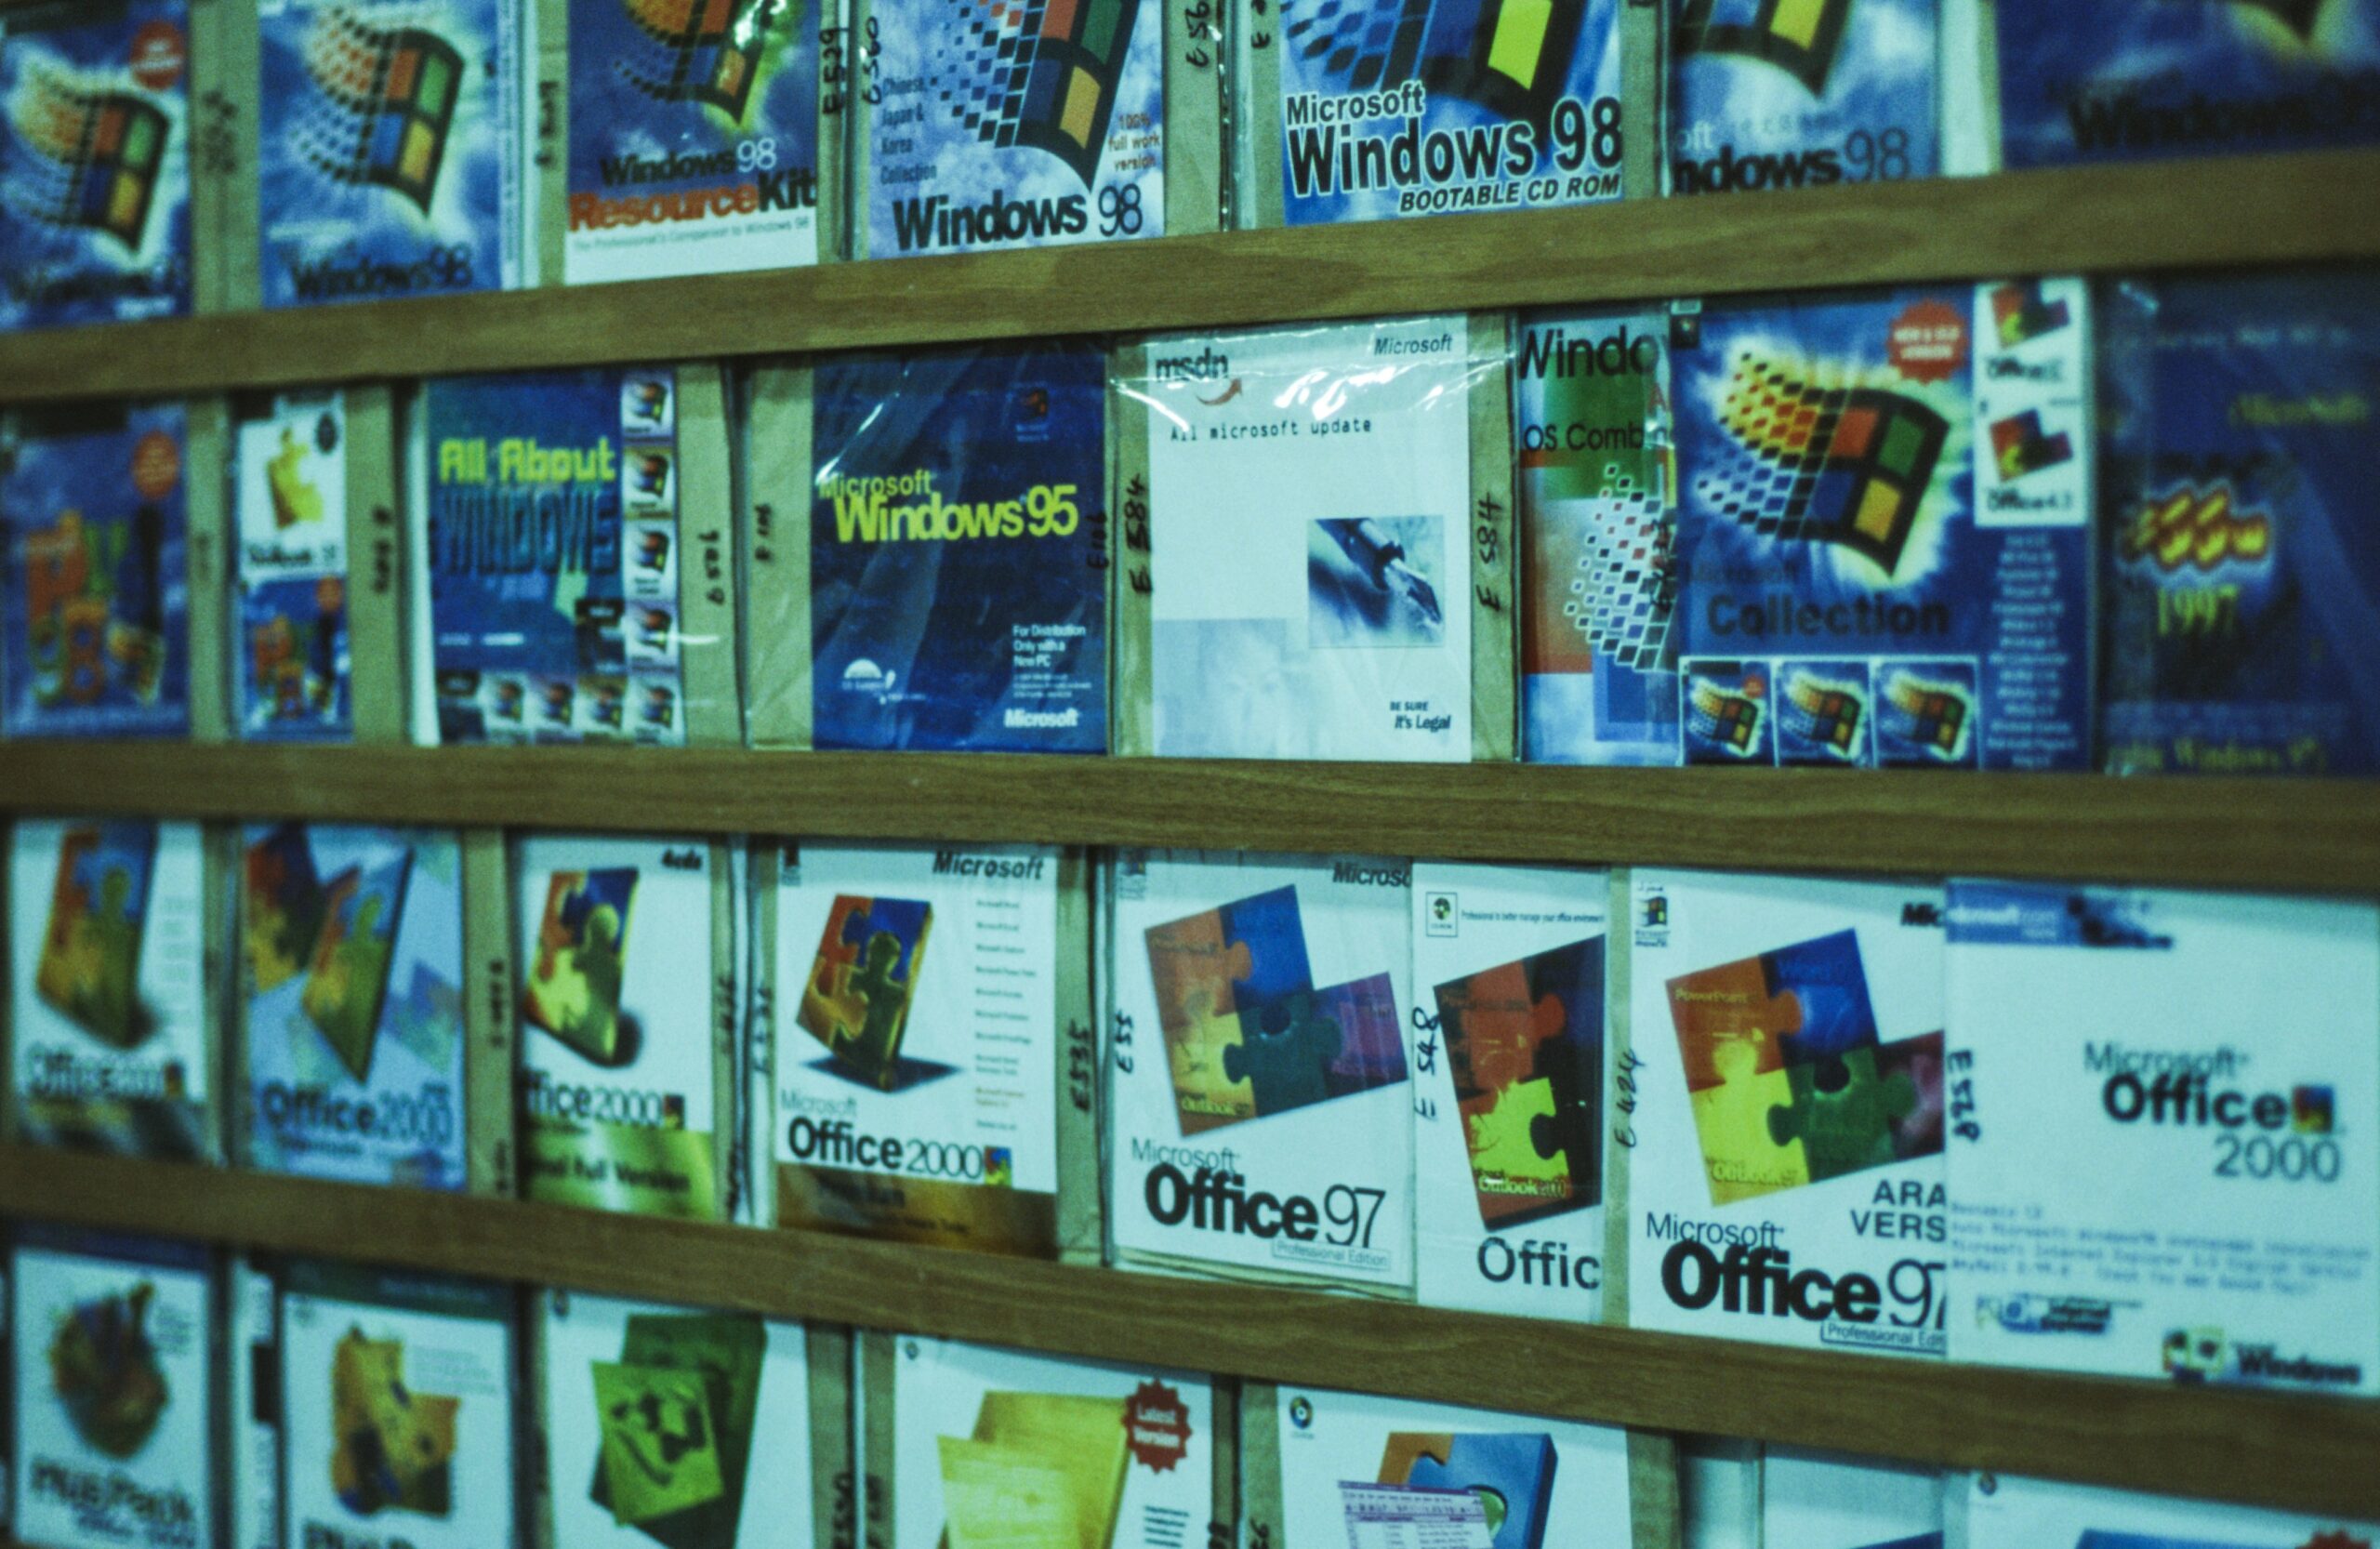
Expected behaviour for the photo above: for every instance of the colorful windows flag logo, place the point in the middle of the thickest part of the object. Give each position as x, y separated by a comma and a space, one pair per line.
1727, 721
1825, 714
1843, 465
1511, 57
1799, 37
1935, 716
390, 101
1045, 74
100, 151
713, 48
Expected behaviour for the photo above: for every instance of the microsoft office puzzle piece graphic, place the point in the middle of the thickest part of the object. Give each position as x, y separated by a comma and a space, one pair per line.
1525, 1042
282, 904
1512, 1472
1246, 1032
90, 955
394, 1447
349, 980
1039, 1469
106, 1371
863, 981
1788, 1081
676, 1413
574, 989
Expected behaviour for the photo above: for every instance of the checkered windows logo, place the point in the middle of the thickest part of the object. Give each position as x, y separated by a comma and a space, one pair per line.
1842, 465
1045, 75
96, 155
1509, 55
387, 104
706, 51
1800, 38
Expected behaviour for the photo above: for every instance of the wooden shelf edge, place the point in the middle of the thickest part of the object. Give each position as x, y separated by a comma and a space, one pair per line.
2299, 208
2310, 1454
2320, 836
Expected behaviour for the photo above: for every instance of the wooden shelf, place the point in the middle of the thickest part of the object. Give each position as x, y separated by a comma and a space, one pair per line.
2312, 1454
2301, 208
2298, 836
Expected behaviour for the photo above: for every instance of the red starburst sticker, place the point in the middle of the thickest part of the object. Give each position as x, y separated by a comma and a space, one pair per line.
1928, 341
158, 55
1157, 1425
156, 465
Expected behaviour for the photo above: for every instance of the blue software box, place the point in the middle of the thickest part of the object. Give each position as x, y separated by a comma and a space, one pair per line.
959, 552
94, 603
1883, 553
2243, 558
1009, 126
552, 556
94, 163
386, 166
694, 138
1798, 93
1389, 109
2124, 80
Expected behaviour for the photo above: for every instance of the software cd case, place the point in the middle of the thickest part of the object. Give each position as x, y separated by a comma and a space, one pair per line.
1511, 1072
972, 1445
1595, 469
1032, 125
1369, 110
318, 566
630, 958
1259, 1118
573, 559
2136, 80
398, 1402
1786, 1180
357, 1062
1881, 550
2241, 577
2211, 1062
115, 981
381, 160
933, 1030
680, 1428
1828, 1501
1323, 1470
115, 1392
674, 139
95, 148
1805, 94
111, 622
2002, 1511
927, 546
1317, 532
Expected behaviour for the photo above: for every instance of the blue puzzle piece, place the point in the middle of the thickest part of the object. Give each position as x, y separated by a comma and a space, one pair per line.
1274, 934
1512, 1471
1825, 977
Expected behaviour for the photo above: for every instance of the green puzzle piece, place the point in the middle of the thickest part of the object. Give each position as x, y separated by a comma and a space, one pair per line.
1843, 1113
1284, 1053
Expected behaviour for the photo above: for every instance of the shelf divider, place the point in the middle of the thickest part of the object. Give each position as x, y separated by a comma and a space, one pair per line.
2295, 835
2312, 1454
2305, 207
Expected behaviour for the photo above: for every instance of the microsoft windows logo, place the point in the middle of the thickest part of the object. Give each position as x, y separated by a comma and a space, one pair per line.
1843, 465
102, 150
391, 94
1045, 75
1511, 57
713, 47
1797, 36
